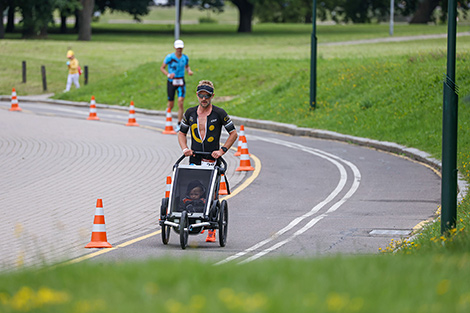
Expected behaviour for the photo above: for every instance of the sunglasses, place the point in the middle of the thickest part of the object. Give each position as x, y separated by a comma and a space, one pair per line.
201, 96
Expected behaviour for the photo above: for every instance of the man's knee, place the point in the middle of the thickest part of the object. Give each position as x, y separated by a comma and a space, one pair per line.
181, 102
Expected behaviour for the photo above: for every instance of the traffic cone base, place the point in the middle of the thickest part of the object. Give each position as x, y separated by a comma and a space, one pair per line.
245, 168
94, 243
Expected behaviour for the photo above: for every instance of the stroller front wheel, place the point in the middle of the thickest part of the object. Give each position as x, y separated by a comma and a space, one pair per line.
165, 234
184, 231
223, 223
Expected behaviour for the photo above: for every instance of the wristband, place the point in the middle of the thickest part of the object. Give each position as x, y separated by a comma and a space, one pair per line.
184, 150
168, 75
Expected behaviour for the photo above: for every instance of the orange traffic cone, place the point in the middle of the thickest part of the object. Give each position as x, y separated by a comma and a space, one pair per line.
98, 235
132, 121
168, 186
14, 101
93, 115
240, 140
223, 186
168, 124
245, 164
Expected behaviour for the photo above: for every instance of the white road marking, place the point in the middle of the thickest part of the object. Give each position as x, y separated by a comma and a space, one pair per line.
342, 182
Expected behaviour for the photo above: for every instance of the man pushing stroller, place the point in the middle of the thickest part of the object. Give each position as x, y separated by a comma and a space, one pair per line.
205, 122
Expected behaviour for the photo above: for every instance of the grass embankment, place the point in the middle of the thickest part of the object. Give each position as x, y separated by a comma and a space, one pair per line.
422, 283
388, 91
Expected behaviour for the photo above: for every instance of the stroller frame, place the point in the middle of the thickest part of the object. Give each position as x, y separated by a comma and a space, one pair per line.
186, 221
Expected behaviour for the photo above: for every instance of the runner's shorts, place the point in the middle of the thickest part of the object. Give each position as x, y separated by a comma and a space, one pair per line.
172, 89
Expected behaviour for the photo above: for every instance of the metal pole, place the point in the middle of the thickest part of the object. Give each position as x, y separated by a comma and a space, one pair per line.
392, 13
44, 79
24, 71
86, 74
313, 59
177, 19
449, 129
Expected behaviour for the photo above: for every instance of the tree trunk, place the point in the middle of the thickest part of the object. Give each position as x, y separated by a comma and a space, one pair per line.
11, 17
75, 27
424, 12
28, 22
63, 24
2, 26
245, 8
84, 24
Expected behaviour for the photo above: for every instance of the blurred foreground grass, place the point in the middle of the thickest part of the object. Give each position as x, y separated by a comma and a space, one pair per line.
420, 283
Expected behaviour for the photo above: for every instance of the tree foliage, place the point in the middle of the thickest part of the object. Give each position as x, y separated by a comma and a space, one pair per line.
216, 6
284, 11
37, 14
355, 11
136, 8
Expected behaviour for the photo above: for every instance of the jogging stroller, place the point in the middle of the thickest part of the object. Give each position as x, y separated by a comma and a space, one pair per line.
193, 205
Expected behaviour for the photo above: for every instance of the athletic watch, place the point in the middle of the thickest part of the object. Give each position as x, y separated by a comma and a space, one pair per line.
224, 149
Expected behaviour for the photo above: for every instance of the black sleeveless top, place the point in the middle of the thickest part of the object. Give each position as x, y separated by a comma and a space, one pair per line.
215, 120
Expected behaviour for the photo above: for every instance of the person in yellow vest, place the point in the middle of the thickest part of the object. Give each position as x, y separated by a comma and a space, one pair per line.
74, 75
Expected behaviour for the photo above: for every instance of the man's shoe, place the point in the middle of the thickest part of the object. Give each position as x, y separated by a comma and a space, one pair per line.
210, 236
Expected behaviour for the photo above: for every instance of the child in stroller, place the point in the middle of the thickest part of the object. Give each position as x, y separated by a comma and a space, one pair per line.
194, 200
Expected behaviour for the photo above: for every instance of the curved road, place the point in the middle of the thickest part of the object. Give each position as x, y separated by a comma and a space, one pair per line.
308, 196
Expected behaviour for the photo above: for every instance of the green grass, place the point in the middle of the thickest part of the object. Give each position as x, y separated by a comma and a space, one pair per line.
424, 283
384, 91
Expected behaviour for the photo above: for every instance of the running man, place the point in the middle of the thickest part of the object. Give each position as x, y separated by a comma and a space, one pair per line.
177, 63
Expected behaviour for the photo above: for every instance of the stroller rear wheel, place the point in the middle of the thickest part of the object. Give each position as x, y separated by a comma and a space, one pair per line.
184, 231
223, 223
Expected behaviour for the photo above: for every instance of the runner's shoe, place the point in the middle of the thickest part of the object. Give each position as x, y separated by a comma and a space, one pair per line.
210, 236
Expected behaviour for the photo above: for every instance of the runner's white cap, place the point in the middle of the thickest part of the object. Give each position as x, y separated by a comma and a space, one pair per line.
179, 44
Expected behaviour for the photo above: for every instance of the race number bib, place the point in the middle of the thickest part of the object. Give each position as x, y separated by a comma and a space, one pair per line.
205, 162
178, 82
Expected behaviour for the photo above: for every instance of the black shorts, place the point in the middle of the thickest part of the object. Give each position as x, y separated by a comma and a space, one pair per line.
171, 90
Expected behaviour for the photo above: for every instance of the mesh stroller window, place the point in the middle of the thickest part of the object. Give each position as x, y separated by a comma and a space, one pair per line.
191, 189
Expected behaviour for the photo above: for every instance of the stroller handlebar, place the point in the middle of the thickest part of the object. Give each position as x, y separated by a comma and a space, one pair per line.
203, 153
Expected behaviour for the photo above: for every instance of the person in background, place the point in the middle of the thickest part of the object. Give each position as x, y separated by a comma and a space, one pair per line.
74, 75
177, 63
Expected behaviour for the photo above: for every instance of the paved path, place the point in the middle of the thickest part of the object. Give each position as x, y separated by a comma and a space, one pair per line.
391, 39
53, 171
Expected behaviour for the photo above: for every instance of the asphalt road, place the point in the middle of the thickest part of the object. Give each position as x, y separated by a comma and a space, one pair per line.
308, 197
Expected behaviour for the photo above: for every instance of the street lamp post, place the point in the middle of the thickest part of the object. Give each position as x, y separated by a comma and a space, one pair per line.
177, 19
449, 129
313, 59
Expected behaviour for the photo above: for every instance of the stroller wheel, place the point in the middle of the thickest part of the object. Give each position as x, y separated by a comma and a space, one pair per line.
165, 234
223, 223
184, 231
